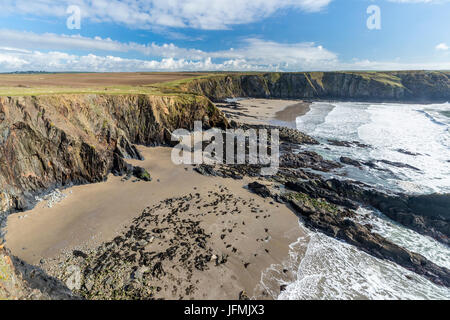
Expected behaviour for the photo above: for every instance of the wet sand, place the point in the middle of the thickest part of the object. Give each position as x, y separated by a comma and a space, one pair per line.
290, 113
267, 111
93, 214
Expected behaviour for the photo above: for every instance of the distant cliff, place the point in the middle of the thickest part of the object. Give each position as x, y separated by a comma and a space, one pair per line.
401, 86
58, 140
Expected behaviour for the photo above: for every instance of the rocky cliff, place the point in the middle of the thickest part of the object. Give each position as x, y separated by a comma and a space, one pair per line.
58, 140
407, 86
21, 281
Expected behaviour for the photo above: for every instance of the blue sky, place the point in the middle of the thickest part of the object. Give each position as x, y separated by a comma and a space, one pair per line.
176, 35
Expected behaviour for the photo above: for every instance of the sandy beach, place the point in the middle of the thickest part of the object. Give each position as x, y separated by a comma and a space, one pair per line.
264, 111
256, 238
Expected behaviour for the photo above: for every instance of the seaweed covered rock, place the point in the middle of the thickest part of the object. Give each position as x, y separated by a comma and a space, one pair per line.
141, 174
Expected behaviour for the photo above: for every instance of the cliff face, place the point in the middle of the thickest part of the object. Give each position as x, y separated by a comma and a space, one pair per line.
53, 141
414, 86
21, 281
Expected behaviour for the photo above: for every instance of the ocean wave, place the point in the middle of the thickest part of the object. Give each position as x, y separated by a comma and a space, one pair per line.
409, 239
432, 118
386, 128
333, 270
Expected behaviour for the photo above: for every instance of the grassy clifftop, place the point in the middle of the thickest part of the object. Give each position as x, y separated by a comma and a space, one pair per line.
372, 86
407, 86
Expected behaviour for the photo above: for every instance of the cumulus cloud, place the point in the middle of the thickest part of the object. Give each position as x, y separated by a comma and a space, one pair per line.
253, 53
274, 53
199, 14
60, 61
51, 41
21, 60
21, 51
442, 47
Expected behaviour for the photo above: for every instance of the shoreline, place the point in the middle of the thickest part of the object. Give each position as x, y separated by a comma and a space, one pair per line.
265, 111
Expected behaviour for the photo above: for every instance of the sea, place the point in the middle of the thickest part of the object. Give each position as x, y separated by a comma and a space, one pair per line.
412, 134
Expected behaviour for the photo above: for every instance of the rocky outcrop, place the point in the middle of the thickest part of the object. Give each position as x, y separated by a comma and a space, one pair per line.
410, 86
21, 281
426, 214
286, 135
59, 140
259, 189
307, 159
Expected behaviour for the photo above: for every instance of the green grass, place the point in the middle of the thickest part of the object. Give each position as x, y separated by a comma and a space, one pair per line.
37, 91
163, 88
116, 90
386, 78
176, 85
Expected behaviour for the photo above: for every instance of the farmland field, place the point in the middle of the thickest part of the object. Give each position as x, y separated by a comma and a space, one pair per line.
48, 83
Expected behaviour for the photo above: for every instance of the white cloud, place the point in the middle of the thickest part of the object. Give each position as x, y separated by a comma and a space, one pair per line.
21, 60
60, 61
51, 41
30, 51
273, 53
199, 14
257, 53
442, 47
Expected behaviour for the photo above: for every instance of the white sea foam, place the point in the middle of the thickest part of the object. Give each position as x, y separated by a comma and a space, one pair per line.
387, 128
330, 269
406, 238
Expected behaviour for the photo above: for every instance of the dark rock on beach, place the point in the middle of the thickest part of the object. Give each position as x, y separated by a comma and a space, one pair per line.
288, 135
141, 174
121, 167
260, 189
350, 161
427, 214
307, 159
399, 164
408, 152
347, 144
